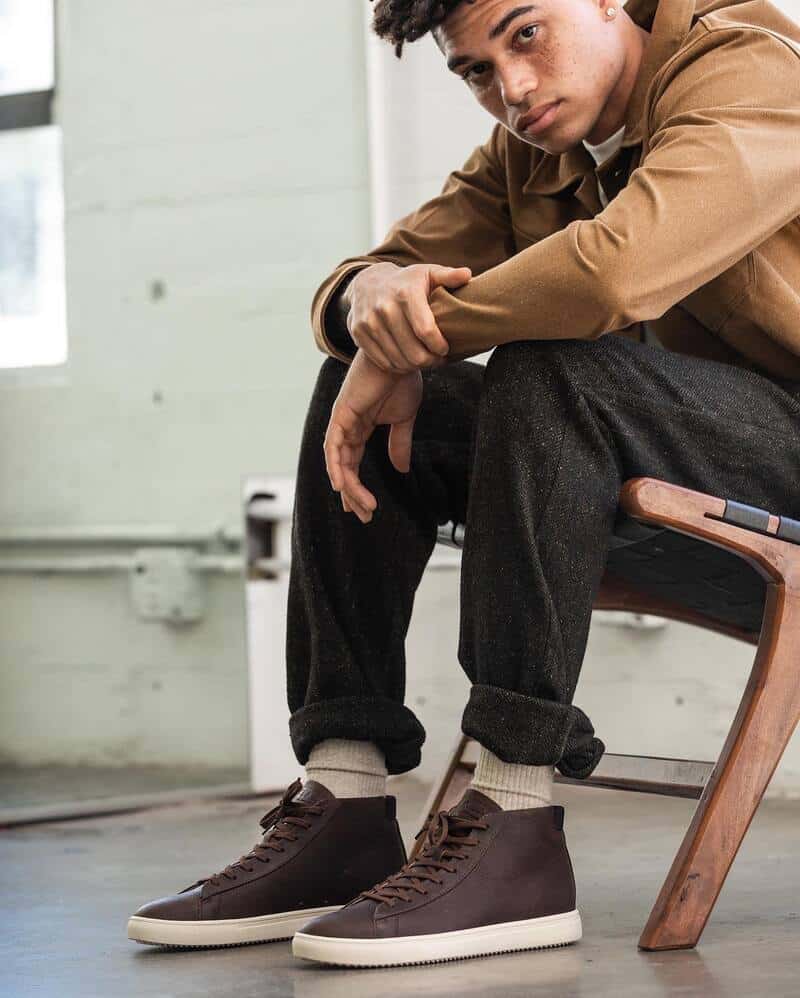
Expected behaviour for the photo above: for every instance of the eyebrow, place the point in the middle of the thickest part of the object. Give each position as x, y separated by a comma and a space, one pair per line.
459, 60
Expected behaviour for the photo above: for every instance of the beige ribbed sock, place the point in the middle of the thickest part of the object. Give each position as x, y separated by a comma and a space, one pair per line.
348, 767
511, 785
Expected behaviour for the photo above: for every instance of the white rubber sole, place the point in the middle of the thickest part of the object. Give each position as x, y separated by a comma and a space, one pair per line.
221, 931
502, 937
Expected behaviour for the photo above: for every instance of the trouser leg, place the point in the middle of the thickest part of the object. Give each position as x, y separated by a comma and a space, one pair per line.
561, 424
352, 585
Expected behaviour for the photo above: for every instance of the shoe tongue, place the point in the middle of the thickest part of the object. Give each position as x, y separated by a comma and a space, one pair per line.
474, 804
314, 793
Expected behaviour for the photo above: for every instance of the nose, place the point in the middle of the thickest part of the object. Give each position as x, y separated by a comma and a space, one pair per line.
516, 82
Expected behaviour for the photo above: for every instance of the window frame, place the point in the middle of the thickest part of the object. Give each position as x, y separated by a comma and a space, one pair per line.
27, 110
33, 109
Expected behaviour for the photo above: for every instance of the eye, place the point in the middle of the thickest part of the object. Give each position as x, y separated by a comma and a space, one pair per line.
473, 69
469, 73
521, 33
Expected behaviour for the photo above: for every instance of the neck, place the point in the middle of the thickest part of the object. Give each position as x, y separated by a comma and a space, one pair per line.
612, 117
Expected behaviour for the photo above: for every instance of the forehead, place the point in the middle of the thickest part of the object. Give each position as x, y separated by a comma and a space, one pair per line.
472, 23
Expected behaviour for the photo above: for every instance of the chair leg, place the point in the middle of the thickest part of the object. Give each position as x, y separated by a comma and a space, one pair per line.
767, 716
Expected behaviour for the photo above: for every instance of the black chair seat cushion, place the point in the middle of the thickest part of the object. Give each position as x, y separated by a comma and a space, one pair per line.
687, 571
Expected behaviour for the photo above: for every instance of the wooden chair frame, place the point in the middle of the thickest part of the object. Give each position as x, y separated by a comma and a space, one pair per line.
730, 790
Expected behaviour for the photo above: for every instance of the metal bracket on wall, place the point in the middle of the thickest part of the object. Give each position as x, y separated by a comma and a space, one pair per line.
166, 585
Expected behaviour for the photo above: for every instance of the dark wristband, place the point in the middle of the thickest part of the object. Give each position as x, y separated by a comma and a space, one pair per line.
336, 319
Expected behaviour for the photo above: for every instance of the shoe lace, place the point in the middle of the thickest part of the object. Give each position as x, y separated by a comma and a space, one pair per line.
446, 843
280, 825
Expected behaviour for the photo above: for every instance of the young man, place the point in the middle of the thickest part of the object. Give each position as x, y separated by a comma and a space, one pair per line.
643, 169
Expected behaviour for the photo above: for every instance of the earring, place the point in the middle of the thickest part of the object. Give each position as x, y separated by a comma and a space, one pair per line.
611, 11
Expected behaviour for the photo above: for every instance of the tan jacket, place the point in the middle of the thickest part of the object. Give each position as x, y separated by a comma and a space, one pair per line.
701, 236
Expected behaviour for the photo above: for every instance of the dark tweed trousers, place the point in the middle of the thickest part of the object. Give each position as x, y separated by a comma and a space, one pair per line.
530, 453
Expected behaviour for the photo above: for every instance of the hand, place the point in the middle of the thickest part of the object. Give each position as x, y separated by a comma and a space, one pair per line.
390, 317
369, 397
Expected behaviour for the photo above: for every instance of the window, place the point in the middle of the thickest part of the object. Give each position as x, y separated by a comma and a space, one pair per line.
32, 296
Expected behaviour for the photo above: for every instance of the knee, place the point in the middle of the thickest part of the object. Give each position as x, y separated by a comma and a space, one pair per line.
524, 368
525, 358
517, 373
531, 387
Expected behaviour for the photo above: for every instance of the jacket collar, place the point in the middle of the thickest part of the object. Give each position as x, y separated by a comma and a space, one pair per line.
668, 21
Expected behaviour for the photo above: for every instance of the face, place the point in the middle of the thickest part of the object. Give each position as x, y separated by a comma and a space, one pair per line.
516, 57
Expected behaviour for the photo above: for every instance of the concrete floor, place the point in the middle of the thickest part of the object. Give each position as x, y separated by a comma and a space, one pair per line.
68, 888
24, 787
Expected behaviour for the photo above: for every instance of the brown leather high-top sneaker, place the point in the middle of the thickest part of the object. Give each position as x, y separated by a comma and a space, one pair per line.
485, 881
318, 852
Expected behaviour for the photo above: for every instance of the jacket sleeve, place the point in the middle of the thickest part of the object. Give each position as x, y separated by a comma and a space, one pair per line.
336, 330
722, 173
466, 224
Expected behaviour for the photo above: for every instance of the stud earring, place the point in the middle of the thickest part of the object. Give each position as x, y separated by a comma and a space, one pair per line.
611, 11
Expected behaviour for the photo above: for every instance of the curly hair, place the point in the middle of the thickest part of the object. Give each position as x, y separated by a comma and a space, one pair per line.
402, 21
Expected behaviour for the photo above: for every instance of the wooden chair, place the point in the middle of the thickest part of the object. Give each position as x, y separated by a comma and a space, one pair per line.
731, 568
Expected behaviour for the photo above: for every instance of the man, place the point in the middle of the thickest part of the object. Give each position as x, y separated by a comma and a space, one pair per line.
642, 176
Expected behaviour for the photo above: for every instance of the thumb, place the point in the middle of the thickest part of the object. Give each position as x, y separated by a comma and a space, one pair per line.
448, 277
400, 436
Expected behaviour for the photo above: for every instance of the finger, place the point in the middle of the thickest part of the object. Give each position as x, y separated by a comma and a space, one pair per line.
332, 449
388, 336
338, 453
450, 277
351, 507
370, 340
416, 353
355, 490
372, 346
365, 515
341, 461
423, 325
358, 493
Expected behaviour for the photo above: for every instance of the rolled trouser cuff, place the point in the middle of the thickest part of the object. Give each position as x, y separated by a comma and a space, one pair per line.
394, 728
532, 731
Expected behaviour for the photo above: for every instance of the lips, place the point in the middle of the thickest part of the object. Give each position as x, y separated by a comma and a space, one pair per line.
543, 120
533, 117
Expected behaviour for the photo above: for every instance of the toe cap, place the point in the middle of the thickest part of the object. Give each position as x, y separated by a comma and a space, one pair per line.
179, 907
354, 921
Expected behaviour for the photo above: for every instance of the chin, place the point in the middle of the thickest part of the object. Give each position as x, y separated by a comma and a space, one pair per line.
555, 143
554, 146
545, 142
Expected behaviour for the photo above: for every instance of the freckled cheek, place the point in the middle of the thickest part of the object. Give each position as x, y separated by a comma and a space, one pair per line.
563, 74
548, 61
